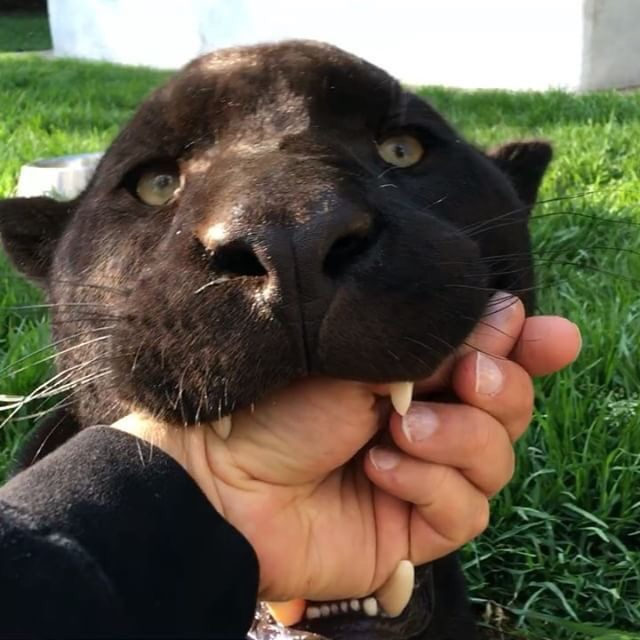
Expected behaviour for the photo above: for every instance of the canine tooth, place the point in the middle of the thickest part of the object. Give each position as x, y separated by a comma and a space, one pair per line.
395, 593
355, 605
325, 610
223, 427
335, 608
370, 606
344, 606
401, 396
313, 613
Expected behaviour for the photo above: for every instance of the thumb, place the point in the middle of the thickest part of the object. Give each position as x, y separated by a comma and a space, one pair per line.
305, 431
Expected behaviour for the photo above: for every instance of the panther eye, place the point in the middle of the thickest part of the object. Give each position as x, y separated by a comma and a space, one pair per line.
401, 151
157, 186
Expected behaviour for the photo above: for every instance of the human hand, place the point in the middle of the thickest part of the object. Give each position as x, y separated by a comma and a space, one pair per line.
291, 476
451, 458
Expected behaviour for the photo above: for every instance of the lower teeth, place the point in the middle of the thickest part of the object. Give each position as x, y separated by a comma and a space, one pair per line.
369, 606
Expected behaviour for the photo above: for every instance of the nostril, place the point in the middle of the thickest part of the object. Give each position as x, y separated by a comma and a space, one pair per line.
236, 259
345, 251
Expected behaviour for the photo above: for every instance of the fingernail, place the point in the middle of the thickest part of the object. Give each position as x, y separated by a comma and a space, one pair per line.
489, 378
419, 423
499, 310
384, 459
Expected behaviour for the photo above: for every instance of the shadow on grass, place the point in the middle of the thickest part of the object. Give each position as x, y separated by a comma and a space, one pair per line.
24, 32
532, 109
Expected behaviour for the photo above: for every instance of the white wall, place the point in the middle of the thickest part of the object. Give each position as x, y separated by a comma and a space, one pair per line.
466, 43
612, 59
513, 44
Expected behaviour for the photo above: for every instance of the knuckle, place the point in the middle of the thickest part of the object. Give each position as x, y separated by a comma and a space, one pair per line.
507, 466
481, 435
510, 469
441, 478
524, 411
480, 520
529, 398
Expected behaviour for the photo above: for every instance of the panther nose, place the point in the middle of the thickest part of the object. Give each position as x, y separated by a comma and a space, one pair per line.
236, 259
321, 250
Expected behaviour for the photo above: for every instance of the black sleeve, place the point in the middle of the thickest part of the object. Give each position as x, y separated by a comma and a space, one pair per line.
108, 537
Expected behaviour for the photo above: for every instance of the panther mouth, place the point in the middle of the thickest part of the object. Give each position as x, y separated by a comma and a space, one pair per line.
400, 394
356, 619
389, 600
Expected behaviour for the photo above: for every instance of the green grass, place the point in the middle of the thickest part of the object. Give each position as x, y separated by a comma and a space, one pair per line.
49, 108
563, 555
24, 32
564, 547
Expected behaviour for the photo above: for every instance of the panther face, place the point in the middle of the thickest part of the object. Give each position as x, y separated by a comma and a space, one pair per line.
270, 213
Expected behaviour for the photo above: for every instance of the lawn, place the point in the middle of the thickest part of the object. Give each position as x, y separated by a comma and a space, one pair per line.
562, 557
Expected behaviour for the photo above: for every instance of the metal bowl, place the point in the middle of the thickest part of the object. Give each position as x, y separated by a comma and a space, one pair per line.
62, 178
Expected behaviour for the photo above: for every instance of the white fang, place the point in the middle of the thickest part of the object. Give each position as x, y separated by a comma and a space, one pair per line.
223, 427
401, 396
395, 593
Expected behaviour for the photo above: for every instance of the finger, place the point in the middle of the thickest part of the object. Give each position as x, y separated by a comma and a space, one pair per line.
499, 328
501, 388
425, 532
496, 333
547, 344
459, 436
292, 436
448, 509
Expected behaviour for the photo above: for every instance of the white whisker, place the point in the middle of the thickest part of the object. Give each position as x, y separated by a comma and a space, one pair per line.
44, 390
6, 371
54, 355
211, 283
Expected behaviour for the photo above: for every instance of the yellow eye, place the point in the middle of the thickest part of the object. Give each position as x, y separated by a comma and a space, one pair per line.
401, 151
157, 186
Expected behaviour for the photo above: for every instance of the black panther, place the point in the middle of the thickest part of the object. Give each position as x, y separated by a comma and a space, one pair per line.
274, 212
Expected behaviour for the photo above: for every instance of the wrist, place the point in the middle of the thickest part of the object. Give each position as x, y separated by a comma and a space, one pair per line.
188, 446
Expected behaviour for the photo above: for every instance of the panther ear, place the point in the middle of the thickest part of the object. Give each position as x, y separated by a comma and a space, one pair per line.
30, 229
524, 163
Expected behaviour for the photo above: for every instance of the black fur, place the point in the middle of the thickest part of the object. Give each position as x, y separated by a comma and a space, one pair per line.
291, 249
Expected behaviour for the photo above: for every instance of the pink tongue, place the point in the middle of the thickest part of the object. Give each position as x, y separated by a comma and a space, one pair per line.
287, 613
